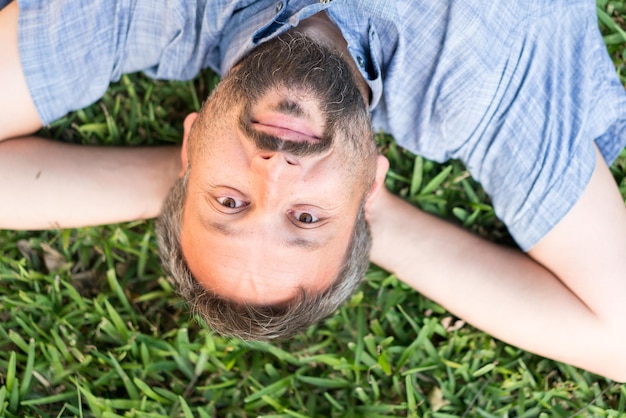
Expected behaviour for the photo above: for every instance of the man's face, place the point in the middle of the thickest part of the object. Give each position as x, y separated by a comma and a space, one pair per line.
276, 175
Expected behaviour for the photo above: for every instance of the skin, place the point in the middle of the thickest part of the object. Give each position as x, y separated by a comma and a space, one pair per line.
14, 93
261, 250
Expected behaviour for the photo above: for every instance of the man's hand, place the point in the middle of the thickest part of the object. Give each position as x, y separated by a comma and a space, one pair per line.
571, 310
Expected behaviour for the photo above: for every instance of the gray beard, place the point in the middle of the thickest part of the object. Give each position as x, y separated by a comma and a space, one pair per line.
295, 62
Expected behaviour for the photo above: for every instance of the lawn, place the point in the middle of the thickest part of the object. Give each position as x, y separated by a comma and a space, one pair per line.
90, 326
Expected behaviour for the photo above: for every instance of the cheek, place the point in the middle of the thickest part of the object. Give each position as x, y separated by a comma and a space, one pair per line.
342, 177
221, 156
329, 182
353, 178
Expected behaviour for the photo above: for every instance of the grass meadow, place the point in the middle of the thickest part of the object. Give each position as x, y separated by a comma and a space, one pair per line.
91, 327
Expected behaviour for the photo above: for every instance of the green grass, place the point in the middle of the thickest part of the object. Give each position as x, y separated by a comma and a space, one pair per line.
89, 326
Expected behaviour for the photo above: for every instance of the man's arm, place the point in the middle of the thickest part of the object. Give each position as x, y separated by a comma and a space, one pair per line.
571, 307
47, 184
18, 115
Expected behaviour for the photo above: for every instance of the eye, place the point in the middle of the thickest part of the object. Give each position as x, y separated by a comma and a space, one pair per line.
305, 217
231, 202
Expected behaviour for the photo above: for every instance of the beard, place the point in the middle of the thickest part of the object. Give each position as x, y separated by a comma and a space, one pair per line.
295, 63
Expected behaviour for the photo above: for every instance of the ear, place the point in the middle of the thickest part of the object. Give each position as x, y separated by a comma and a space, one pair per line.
187, 124
382, 165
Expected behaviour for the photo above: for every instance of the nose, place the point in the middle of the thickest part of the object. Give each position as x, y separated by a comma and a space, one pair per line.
276, 166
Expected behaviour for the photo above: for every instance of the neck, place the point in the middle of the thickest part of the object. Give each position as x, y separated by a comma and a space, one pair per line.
320, 28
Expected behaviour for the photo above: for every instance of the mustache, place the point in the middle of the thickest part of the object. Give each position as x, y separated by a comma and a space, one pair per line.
267, 142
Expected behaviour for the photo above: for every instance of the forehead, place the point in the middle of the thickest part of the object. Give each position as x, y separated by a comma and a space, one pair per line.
260, 267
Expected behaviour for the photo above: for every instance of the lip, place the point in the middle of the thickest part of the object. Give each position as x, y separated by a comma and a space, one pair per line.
286, 127
285, 134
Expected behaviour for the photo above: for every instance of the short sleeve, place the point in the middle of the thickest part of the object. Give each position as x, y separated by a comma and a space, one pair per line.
535, 154
71, 50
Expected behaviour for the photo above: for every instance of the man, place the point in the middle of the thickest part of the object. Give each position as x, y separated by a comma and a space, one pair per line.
279, 163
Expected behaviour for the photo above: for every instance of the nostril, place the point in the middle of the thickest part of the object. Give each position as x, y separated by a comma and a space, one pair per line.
288, 158
291, 160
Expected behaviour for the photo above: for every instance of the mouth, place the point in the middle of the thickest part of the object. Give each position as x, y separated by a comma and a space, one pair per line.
286, 134
287, 127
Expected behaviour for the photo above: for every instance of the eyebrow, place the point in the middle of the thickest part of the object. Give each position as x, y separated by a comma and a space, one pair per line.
226, 230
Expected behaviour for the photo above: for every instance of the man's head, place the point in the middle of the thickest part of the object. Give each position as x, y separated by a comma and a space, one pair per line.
265, 232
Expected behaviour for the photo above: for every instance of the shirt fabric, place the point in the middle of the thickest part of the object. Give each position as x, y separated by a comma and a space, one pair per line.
519, 91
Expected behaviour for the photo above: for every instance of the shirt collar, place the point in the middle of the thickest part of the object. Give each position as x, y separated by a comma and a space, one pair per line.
262, 21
